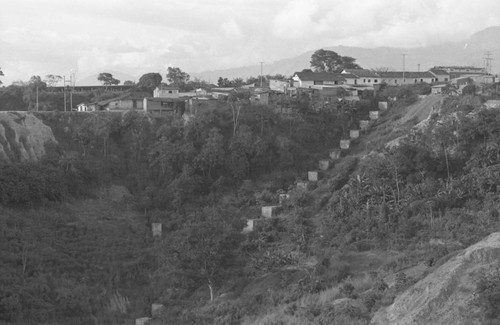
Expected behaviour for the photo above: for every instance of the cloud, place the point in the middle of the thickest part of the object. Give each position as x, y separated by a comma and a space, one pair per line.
231, 30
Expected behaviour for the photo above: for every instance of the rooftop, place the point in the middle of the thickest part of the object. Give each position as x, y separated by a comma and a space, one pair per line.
319, 76
407, 74
362, 73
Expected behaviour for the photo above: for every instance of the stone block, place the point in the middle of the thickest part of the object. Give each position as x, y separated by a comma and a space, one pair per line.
312, 176
156, 309
283, 198
302, 186
383, 106
354, 134
324, 164
374, 115
363, 124
345, 144
270, 211
249, 227
156, 229
142, 320
335, 154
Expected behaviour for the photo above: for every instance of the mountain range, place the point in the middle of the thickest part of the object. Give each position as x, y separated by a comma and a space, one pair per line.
470, 51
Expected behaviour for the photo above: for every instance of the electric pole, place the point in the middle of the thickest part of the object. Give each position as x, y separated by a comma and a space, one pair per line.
404, 56
487, 61
261, 63
37, 98
64, 90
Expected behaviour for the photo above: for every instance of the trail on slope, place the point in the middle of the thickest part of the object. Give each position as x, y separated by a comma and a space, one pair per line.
422, 109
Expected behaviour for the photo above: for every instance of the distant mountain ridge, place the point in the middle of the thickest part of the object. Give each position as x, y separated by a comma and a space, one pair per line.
468, 52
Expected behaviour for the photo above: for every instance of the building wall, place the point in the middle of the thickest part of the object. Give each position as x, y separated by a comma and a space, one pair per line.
407, 81
166, 93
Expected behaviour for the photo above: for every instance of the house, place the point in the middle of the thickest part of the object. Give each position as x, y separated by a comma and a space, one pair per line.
307, 78
492, 103
84, 107
128, 101
165, 91
461, 71
279, 85
364, 77
222, 92
162, 107
440, 75
438, 89
406, 77
260, 96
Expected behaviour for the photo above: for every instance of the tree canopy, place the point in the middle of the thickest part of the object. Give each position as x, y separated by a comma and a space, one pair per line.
150, 81
177, 77
330, 61
1, 74
107, 79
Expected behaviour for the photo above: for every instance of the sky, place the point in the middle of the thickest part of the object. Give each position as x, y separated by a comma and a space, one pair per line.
40, 37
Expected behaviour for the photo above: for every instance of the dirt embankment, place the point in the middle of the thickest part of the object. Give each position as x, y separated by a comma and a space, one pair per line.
23, 137
445, 296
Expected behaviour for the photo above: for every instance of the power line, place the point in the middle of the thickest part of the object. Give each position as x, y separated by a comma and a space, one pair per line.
487, 61
404, 57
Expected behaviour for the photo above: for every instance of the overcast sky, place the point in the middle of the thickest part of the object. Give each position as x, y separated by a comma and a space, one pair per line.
39, 37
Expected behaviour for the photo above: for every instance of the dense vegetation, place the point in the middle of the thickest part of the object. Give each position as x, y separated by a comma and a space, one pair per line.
70, 257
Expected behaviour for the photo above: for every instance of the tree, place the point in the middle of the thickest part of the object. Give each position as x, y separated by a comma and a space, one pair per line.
202, 250
212, 153
330, 61
149, 81
1, 74
177, 77
129, 83
51, 80
107, 79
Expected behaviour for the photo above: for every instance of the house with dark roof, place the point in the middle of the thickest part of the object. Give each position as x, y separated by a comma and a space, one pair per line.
440, 75
127, 101
166, 91
305, 79
406, 77
363, 77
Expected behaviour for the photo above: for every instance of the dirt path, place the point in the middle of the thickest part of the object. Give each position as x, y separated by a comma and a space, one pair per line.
422, 109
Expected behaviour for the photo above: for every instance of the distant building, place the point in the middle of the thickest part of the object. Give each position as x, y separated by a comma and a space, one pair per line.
363, 77
440, 75
165, 91
407, 77
493, 103
279, 85
163, 107
461, 71
305, 79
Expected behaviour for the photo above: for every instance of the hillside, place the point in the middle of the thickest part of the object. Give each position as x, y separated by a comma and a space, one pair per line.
467, 52
341, 245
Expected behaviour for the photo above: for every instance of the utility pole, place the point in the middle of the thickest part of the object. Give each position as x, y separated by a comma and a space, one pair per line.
64, 90
261, 73
487, 61
404, 56
37, 98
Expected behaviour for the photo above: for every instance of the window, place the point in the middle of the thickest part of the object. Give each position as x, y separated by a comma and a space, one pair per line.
169, 91
369, 80
364, 80
421, 80
375, 81
395, 81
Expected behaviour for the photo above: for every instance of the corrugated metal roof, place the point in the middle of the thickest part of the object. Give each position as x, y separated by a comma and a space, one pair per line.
363, 73
319, 76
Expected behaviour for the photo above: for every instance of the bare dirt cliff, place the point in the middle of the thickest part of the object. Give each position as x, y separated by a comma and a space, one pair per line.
23, 136
445, 296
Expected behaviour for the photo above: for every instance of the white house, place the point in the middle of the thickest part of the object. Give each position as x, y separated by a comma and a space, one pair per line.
364, 77
305, 79
164, 91
406, 77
